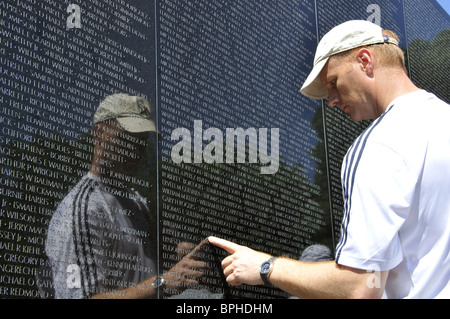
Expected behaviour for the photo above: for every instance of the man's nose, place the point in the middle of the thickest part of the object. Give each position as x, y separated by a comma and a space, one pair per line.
333, 100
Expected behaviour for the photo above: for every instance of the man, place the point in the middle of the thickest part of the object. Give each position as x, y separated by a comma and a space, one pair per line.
395, 234
102, 238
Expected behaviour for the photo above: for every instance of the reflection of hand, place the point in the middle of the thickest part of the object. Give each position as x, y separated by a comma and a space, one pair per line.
187, 272
184, 248
243, 265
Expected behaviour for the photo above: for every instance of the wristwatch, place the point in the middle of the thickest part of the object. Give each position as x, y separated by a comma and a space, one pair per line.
159, 282
266, 268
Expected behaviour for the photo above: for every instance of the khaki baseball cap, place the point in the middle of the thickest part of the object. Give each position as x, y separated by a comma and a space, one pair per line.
132, 112
346, 36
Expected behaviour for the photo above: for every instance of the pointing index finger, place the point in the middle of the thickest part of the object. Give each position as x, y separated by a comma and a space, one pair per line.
224, 244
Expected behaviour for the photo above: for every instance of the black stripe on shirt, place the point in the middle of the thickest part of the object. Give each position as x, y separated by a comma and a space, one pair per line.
354, 154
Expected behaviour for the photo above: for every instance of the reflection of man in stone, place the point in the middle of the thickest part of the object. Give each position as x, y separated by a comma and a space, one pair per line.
100, 240
395, 235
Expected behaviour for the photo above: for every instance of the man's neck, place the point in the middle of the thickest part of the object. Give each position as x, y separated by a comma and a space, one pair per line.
393, 85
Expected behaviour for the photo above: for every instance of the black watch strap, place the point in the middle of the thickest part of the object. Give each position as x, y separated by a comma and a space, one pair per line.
266, 268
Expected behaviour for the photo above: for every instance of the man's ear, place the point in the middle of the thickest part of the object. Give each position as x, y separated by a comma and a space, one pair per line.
366, 60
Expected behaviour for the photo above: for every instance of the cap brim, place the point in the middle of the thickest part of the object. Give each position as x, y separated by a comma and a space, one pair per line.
313, 87
137, 125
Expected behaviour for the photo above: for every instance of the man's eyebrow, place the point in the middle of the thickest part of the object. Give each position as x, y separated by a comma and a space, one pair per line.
323, 79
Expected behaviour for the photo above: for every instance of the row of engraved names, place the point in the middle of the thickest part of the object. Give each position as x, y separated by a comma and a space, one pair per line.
96, 16
31, 73
221, 181
180, 50
224, 220
186, 112
224, 42
60, 64
192, 85
208, 63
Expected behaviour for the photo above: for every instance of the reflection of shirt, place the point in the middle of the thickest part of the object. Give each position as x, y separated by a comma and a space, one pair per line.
396, 183
99, 242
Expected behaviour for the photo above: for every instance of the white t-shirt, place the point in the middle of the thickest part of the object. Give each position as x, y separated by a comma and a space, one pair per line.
396, 187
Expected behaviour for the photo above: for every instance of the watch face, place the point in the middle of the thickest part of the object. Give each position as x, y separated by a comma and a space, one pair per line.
159, 281
265, 268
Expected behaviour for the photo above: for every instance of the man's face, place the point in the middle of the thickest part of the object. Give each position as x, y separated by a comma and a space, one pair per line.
120, 148
347, 86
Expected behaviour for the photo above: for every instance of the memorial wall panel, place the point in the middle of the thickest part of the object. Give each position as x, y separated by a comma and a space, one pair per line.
428, 40
58, 61
96, 209
242, 155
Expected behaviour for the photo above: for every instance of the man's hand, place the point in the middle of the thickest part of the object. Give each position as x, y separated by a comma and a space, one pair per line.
243, 265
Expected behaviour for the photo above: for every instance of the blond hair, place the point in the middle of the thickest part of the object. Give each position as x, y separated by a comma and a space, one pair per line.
389, 55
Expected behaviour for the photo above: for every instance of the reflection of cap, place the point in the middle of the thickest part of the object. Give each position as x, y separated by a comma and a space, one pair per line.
132, 112
316, 253
344, 37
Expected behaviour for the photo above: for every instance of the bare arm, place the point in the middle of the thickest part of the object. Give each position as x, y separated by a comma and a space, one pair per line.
302, 279
326, 280
143, 290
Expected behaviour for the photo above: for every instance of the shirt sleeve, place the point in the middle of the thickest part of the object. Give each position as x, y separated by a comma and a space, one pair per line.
377, 200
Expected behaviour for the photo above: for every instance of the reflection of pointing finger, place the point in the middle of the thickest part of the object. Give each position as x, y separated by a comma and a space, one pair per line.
224, 244
194, 251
